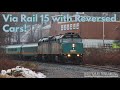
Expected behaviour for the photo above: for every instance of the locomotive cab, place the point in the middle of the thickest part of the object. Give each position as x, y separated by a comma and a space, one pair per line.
72, 47
61, 48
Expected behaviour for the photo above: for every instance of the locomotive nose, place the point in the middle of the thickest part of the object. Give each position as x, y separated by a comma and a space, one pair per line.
73, 48
73, 45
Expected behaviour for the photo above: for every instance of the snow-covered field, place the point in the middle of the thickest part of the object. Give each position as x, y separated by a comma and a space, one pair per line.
22, 73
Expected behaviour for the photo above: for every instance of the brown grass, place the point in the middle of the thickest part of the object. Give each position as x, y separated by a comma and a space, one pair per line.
28, 64
8, 64
6, 76
102, 57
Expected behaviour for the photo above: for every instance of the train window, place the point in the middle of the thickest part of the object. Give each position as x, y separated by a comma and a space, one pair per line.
77, 40
66, 40
12, 49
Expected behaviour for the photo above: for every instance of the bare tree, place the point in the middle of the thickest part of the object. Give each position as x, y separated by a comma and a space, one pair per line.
2, 37
2, 33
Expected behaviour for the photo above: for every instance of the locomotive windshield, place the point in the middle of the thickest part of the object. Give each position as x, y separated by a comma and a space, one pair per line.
72, 38
76, 40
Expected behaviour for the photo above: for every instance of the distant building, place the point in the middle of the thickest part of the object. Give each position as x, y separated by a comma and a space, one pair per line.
92, 33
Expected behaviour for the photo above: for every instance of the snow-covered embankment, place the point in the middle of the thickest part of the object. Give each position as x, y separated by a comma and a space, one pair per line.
22, 73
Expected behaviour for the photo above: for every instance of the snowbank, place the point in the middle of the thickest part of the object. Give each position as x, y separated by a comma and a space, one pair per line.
22, 72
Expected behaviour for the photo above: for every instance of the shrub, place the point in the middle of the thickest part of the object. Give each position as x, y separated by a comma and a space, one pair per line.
6, 64
29, 65
102, 56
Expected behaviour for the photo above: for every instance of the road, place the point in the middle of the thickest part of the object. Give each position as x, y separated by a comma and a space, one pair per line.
70, 71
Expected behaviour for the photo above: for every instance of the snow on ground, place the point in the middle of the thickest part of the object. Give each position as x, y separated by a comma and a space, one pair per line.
22, 72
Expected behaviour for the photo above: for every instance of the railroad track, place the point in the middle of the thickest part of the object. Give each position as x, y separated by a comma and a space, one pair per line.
105, 68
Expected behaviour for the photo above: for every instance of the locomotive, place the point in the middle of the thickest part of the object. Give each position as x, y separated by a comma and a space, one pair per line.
63, 48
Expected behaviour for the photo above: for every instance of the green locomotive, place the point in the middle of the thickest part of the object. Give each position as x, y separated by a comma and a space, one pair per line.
65, 48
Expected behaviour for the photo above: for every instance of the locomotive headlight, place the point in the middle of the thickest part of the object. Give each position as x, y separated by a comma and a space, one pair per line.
68, 55
73, 45
78, 55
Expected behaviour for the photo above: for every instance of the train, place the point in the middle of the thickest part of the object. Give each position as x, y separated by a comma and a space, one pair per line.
63, 48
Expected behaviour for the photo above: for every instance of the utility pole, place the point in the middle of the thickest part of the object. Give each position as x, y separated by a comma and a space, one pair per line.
103, 32
104, 14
